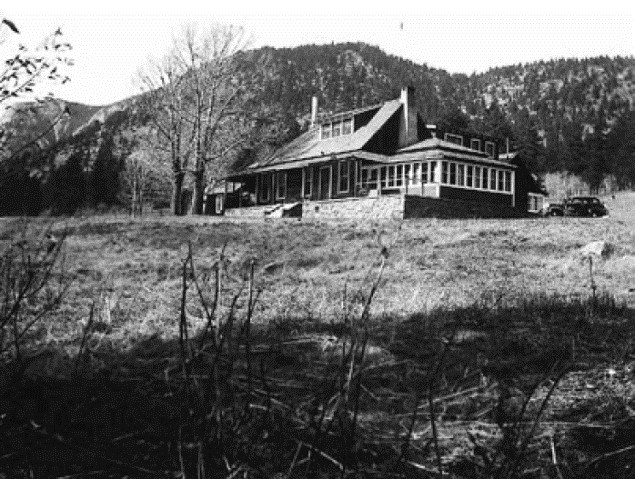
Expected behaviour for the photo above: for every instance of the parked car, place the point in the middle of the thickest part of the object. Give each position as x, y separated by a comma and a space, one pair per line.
578, 206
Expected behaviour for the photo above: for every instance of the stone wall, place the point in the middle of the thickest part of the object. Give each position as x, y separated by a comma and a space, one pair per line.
422, 207
384, 207
389, 207
249, 211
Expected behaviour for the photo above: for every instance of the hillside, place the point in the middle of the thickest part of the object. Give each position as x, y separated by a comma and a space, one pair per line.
566, 114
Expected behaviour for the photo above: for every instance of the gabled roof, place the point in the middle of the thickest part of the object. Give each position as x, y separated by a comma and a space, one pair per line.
308, 145
345, 114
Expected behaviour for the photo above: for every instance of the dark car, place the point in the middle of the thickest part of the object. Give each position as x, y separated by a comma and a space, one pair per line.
578, 206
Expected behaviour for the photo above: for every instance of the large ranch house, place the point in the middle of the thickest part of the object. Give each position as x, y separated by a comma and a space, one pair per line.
379, 161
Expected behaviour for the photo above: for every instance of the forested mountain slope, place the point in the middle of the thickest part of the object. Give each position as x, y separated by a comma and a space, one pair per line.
571, 115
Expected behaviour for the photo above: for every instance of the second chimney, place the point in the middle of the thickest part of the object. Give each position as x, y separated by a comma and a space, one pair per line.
408, 133
314, 110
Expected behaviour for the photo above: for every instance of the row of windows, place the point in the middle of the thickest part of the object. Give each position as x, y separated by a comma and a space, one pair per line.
452, 173
337, 128
477, 177
475, 143
397, 176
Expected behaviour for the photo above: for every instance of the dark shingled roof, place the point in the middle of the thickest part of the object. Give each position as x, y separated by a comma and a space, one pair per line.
308, 145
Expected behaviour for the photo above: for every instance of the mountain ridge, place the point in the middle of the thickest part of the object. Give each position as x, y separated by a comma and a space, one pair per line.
550, 109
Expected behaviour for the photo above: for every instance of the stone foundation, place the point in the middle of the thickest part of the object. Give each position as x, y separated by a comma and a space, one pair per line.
385, 207
382, 207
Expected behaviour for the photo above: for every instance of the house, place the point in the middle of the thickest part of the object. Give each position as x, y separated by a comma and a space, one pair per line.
378, 161
528, 187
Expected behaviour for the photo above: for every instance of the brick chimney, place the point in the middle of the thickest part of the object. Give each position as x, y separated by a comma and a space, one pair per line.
408, 125
314, 110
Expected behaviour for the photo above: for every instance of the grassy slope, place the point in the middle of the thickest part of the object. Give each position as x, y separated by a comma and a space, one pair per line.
432, 263
436, 271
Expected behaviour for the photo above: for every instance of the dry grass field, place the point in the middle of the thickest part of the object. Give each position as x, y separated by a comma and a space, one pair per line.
379, 348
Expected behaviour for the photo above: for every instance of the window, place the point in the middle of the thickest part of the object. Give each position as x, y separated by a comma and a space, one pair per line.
392, 176
475, 144
416, 173
433, 172
347, 126
507, 181
281, 185
336, 128
453, 173
477, 177
444, 172
265, 186
308, 182
383, 177
489, 148
423, 170
399, 176
460, 175
407, 172
501, 182
343, 175
485, 183
492, 179
456, 139
469, 176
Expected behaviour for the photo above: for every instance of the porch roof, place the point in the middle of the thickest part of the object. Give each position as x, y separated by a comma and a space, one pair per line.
363, 155
440, 154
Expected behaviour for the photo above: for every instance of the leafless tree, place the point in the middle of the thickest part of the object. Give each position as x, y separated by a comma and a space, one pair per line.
143, 169
193, 100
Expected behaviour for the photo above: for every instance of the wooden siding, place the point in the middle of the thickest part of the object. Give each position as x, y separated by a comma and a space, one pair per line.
491, 197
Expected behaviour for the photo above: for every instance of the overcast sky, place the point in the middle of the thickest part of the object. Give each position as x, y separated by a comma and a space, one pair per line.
112, 39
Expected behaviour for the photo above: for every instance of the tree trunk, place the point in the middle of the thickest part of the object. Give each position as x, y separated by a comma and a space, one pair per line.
199, 192
177, 187
134, 198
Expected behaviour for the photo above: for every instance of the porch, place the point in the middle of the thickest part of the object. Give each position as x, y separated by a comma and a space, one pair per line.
352, 177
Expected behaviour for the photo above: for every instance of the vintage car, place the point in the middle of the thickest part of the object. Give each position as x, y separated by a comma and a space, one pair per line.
578, 206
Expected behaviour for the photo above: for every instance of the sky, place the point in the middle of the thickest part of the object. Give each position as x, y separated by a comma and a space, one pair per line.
112, 40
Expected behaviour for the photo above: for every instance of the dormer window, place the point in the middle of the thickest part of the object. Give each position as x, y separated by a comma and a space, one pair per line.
475, 144
326, 131
347, 126
489, 148
456, 139
337, 128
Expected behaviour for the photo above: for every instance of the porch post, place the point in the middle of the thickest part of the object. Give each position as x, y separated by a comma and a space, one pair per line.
303, 180
406, 178
355, 178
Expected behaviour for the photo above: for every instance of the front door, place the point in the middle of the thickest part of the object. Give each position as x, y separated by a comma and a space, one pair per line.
325, 182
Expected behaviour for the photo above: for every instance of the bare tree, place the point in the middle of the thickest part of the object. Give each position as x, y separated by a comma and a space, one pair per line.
164, 104
193, 101
143, 169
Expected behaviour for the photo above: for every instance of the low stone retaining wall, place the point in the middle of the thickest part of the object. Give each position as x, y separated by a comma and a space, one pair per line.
384, 207
248, 212
423, 207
